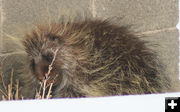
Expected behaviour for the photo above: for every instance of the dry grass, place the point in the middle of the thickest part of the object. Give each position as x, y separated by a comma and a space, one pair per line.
11, 91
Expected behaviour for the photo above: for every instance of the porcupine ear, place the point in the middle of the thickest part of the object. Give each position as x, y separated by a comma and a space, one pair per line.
52, 37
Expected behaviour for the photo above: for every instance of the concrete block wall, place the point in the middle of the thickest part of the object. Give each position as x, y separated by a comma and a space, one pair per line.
154, 19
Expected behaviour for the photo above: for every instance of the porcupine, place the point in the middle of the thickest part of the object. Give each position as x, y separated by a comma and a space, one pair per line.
94, 58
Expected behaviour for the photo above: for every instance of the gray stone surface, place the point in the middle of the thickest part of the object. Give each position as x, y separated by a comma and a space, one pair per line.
145, 15
154, 19
1, 46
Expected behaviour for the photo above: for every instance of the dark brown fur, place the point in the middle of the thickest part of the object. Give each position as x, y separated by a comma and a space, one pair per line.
94, 58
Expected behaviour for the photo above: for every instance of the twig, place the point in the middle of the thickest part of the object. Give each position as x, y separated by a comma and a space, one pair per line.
38, 96
49, 92
3, 98
2, 79
44, 88
17, 90
9, 92
47, 77
50, 66
11, 80
10, 95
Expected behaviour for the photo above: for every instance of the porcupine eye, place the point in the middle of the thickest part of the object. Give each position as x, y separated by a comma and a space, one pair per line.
48, 57
32, 64
52, 37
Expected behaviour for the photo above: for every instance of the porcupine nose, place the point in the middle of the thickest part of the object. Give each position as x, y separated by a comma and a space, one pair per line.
41, 70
